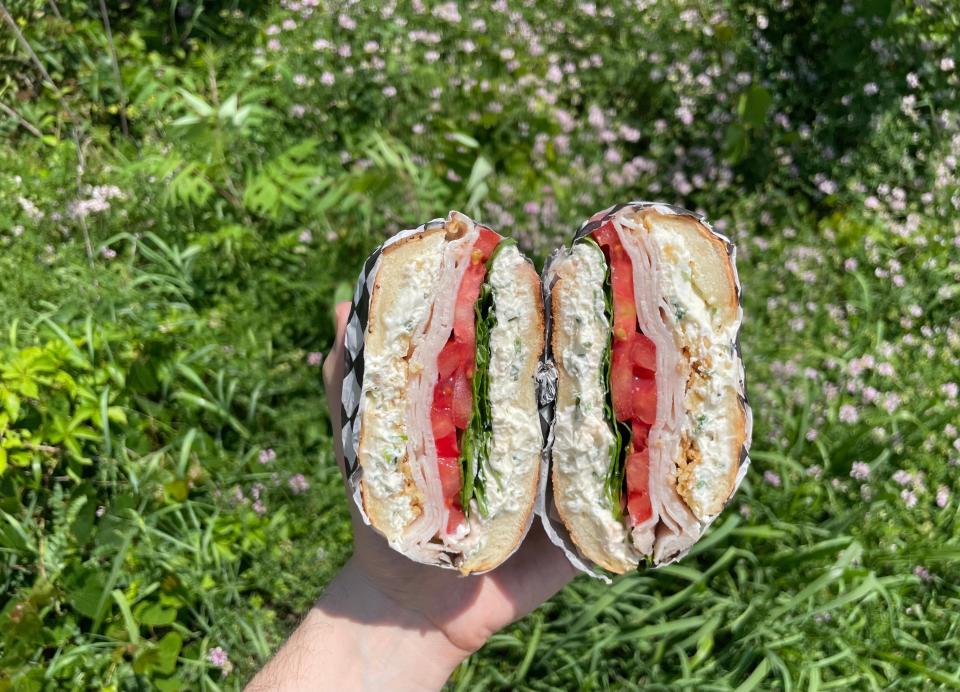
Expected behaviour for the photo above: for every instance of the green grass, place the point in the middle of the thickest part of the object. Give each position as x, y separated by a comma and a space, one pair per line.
156, 347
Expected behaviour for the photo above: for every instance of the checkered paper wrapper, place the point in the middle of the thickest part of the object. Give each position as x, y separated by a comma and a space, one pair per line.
350, 400
546, 509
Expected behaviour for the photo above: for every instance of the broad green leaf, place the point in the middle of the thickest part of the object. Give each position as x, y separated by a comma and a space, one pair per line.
229, 107
201, 107
155, 615
86, 595
735, 142
11, 403
753, 106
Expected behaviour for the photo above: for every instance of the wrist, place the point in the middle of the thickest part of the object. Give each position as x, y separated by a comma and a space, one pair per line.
393, 646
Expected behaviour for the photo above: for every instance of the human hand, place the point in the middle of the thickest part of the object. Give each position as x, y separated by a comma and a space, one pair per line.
388, 621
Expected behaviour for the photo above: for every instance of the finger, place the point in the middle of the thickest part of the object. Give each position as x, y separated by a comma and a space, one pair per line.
333, 364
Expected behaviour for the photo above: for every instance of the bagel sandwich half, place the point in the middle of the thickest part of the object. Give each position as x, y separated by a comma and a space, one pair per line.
449, 436
651, 425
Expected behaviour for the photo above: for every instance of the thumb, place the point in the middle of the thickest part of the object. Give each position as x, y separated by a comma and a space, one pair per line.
333, 364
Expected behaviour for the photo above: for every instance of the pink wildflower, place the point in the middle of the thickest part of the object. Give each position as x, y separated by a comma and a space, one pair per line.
902, 477
298, 483
909, 498
848, 414
218, 657
943, 496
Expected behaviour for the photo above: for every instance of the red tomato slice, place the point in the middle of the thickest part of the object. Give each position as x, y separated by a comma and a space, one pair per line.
449, 467
462, 399
639, 434
621, 281
638, 481
606, 235
447, 446
643, 399
486, 244
464, 328
442, 423
443, 395
643, 352
638, 471
624, 305
621, 387
452, 356
455, 518
639, 508
453, 393
632, 384
463, 314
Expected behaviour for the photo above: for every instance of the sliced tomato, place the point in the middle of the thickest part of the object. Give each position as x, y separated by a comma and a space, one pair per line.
464, 328
455, 518
643, 399
639, 508
442, 423
449, 467
463, 313
624, 304
606, 235
447, 446
621, 390
485, 245
450, 481
621, 281
632, 374
443, 395
462, 399
643, 352
452, 356
639, 433
638, 484
638, 470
